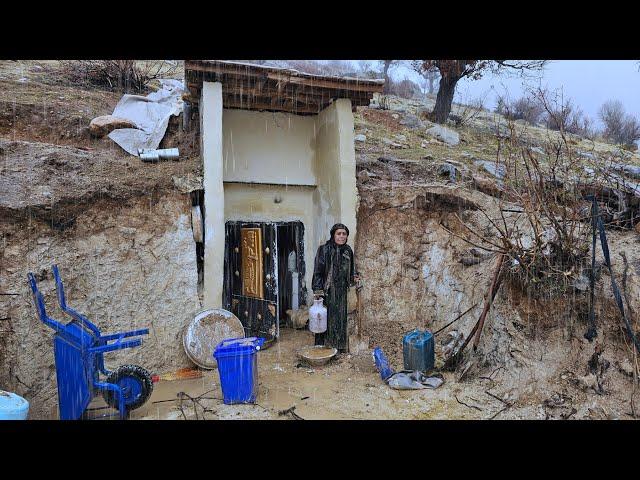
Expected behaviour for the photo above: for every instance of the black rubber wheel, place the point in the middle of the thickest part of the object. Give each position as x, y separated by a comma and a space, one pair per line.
136, 383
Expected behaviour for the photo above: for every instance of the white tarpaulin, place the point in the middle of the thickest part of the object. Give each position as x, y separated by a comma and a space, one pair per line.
151, 115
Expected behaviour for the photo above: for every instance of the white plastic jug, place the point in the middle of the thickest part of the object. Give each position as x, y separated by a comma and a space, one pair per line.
318, 317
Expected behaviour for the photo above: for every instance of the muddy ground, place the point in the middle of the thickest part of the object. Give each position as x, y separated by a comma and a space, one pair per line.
350, 388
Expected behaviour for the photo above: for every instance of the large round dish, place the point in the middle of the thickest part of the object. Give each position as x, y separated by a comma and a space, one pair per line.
317, 355
206, 331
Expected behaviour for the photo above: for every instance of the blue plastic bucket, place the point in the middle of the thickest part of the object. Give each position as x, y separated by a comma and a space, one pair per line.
238, 369
12, 406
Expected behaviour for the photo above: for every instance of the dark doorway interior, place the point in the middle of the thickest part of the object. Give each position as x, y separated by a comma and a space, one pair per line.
197, 199
290, 266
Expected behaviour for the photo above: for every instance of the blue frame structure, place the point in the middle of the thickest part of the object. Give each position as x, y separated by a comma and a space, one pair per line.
79, 349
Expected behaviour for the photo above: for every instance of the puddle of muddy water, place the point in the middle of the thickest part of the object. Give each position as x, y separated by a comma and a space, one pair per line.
346, 388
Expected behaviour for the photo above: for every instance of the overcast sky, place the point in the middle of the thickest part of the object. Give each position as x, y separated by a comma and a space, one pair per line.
588, 82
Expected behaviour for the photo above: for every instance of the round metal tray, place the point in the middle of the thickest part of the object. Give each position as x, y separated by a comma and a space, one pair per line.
203, 334
315, 361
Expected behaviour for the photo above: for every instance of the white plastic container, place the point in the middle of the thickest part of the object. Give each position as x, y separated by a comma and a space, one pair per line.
13, 407
318, 317
295, 300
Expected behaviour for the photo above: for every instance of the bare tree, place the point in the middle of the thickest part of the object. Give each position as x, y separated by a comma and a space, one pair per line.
452, 71
339, 68
423, 84
427, 77
367, 70
386, 65
619, 127
431, 76
563, 115
526, 108
315, 67
405, 88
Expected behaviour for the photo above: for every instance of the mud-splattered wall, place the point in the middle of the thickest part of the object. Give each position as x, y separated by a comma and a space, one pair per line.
412, 276
125, 265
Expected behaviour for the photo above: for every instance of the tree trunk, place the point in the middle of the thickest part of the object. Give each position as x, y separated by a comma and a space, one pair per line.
445, 98
387, 64
431, 80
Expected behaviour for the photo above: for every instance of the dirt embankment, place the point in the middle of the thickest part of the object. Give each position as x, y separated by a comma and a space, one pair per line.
125, 265
532, 352
51, 168
56, 183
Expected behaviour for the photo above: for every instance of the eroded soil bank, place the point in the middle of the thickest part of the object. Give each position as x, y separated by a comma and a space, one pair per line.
126, 265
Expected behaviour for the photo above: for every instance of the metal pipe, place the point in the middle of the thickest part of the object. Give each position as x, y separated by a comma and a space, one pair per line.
169, 153
149, 157
152, 155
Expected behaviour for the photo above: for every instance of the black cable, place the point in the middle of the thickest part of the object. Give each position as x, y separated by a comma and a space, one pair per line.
604, 244
592, 332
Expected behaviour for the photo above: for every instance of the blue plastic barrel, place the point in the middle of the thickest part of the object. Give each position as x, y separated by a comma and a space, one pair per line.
418, 350
238, 369
12, 406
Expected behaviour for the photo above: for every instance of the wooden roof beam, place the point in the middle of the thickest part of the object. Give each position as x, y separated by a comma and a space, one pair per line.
232, 103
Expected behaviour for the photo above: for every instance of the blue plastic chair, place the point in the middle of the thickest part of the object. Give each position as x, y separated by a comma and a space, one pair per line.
79, 349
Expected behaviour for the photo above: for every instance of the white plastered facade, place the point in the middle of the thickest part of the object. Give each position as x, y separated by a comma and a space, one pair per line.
274, 167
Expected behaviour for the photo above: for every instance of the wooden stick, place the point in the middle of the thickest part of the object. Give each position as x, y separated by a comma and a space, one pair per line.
452, 361
466, 404
495, 283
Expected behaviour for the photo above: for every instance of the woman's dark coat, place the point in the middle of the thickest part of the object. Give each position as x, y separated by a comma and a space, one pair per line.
333, 274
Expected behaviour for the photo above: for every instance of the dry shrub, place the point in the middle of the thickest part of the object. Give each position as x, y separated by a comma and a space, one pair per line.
468, 111
404, 88
620, 127
563, 115
525, 108
116, 75
540, 314
546, 239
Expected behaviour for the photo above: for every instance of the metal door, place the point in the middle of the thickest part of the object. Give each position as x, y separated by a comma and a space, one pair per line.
251, 277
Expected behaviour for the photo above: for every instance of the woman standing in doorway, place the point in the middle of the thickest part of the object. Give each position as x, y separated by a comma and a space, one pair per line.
333, 274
